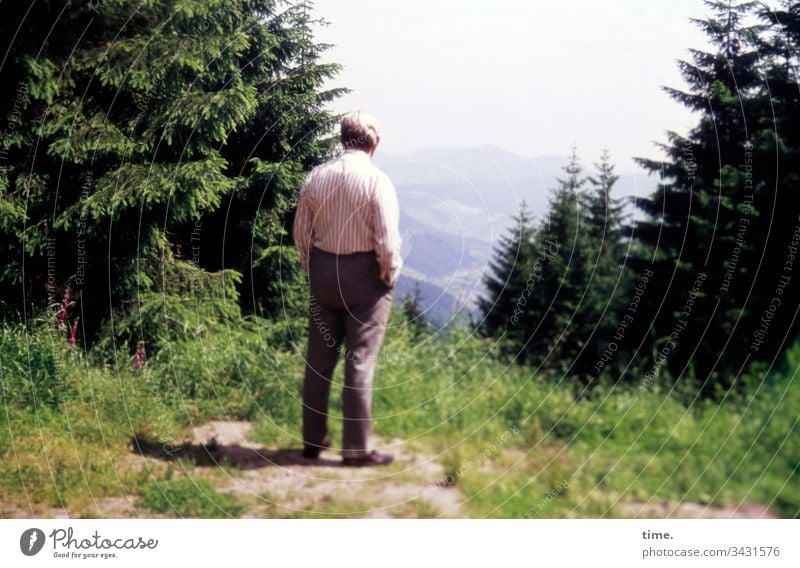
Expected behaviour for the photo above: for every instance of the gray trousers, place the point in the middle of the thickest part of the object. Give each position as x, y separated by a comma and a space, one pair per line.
350, 307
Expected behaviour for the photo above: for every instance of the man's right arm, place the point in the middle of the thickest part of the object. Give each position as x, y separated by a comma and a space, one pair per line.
303, 222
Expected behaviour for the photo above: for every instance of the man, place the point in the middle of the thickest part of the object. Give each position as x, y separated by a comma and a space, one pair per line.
346, 231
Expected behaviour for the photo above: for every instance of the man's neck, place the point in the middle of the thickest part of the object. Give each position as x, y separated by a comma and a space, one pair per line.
358, 151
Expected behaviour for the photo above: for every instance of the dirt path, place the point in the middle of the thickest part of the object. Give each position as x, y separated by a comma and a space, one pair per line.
295, 486
273, 482
278, 483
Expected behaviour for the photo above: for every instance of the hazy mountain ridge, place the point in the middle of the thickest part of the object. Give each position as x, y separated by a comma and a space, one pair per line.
456, 202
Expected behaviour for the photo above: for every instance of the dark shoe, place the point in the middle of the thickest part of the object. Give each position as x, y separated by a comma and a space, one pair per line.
312, 452
372, 458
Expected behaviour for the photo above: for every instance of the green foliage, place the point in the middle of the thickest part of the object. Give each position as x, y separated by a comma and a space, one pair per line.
508, 283
31, 374
413, 311
723, 210
567, 324
72, 451
189, 498
556, 289
200, 352
446, 393
173, 128
183, 302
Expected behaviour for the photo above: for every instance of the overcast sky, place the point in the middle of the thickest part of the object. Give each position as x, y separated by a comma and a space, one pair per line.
534, 76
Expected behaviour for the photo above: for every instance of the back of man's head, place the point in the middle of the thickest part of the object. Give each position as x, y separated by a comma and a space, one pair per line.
359, 130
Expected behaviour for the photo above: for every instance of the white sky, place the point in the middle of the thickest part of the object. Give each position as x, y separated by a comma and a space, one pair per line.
534, 76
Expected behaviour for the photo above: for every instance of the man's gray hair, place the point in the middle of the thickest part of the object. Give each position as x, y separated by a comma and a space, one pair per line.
360, 130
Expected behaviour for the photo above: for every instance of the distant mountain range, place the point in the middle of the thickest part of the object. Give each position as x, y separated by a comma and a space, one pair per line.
455, 203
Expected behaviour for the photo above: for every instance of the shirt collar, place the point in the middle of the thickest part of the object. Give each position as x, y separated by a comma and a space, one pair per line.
356, 152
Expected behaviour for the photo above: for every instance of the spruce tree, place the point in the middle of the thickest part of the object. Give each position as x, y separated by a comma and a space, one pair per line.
565, 252
605, 212
146, 131
698, 236
776, 181
610, 289
502, 305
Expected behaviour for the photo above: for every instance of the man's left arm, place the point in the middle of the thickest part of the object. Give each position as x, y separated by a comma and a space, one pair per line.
387, 231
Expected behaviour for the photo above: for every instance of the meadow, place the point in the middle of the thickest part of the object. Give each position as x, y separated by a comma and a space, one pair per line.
513, 442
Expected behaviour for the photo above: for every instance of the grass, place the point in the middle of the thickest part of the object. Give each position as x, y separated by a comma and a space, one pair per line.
68, 418
189, 498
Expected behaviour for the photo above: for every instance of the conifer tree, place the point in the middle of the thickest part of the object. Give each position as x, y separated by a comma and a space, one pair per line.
509, 269
605, 212
775, 179
697, 237
146, 131
567, 322
610, 288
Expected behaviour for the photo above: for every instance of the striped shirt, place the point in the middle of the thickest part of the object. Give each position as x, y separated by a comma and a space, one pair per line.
348, 205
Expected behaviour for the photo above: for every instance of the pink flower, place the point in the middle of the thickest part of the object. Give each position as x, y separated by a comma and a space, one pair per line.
61, 316
73, 336
140, 357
